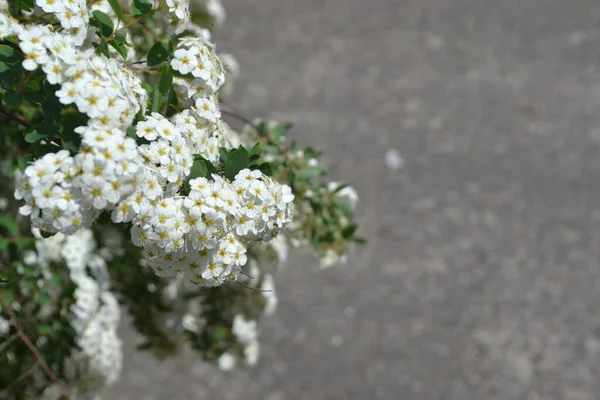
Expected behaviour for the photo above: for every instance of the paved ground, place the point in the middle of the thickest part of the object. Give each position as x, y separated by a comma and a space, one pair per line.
481, 280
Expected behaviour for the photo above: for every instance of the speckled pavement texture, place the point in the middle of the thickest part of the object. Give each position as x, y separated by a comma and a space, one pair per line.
481, 279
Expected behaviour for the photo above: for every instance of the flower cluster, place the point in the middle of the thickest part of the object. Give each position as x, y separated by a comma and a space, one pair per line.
246, 332
196, 56
94, 314
203, 235
112, 117
109, 94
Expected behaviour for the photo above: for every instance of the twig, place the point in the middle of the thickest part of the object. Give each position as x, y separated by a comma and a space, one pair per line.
240, 117
28, 372
31, 346
13, 117
8, 341
149, 71
251, 288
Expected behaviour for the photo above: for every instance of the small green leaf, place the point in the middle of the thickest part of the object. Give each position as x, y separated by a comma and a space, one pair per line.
223, 153
348, 231
9, 225
156, 99
166, 79
281, 128
8, 55
116, 6
24, 161
173, 102
102, 47
33, 136
10, 76
40, 131
254, 153
144, 346
266, 168
104, 22
43, 298
131, 132
119, 47
44, 329
69, 121
340, 187
12, 99
358, 239
157, 54
218, 334
237, 160
140, 7
51, 109
199, 170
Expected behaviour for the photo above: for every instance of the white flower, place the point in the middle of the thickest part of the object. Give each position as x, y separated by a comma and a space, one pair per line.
245, 330
226, 362
184, 60
4, 326
252, 352
207, 108
190, 323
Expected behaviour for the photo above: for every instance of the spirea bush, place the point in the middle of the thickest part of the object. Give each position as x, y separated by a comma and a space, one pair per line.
125, 189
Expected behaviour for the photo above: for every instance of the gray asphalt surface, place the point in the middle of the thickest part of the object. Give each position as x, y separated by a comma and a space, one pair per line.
481, 278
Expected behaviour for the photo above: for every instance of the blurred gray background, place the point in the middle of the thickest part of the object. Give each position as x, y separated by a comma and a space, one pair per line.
481, 278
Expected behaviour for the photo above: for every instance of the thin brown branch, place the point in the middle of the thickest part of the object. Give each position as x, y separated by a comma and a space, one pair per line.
240, 117
26, 374
8, 341
31, 346
13, 117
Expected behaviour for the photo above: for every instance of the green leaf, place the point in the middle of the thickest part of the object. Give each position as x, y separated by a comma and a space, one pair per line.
281, 128
33, 136
157, 54
10, 76
199, 170
9, 224
348, 231
119, 47
173, 102
116, 6
144, 346
266, 168
358, 239
51, 109
12, 99
44, 329
43, 298
24, 161
140, 7
131, 132
237, 160
254, 153
40, 131
102, 47
218, 334
104, 22
8, 55
311, 172
223, 154
156, 99
340, 187
71, 120
166, 79
121, 37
